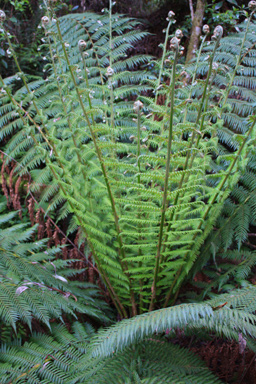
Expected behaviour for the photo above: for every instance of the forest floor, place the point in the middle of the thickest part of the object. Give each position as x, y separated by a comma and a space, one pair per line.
226, 361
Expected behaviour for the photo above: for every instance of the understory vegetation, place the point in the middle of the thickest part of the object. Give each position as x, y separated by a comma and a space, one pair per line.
127, 203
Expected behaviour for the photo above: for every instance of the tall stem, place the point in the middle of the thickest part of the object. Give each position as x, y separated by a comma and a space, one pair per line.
139, 214
112, 118
202, 106
163, 58
167, 170
194, 75
224, 99
65, 109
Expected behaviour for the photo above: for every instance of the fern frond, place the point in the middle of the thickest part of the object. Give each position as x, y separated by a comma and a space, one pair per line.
30, 288
226, 314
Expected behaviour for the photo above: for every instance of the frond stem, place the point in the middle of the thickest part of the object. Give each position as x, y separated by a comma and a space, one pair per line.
163, 58
112, 119
65, 109
194, 75
167, 170
139, 214
241, 147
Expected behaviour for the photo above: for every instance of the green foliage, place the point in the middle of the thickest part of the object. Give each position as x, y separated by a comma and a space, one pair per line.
129, 351
152, 361
145, 185
226, 314
45, 359
20, 6
64, 358
144, 182
228, 249
33, 283
23, 19
216, 12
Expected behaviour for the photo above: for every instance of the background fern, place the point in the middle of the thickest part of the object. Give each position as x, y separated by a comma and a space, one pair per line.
63, 358
34, 281
86, 357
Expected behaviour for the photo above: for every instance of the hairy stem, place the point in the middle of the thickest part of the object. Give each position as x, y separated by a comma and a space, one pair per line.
167, 170
163, 58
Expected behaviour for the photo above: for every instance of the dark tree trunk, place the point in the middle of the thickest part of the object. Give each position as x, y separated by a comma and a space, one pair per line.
196, 29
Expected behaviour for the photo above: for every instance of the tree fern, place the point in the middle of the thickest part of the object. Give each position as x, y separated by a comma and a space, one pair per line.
145, 182
144, 185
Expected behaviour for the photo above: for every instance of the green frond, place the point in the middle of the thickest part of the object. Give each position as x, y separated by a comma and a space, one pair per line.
152, 361
226, 314
30, 287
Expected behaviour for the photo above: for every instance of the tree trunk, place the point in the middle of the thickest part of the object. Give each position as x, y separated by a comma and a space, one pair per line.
196, 29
